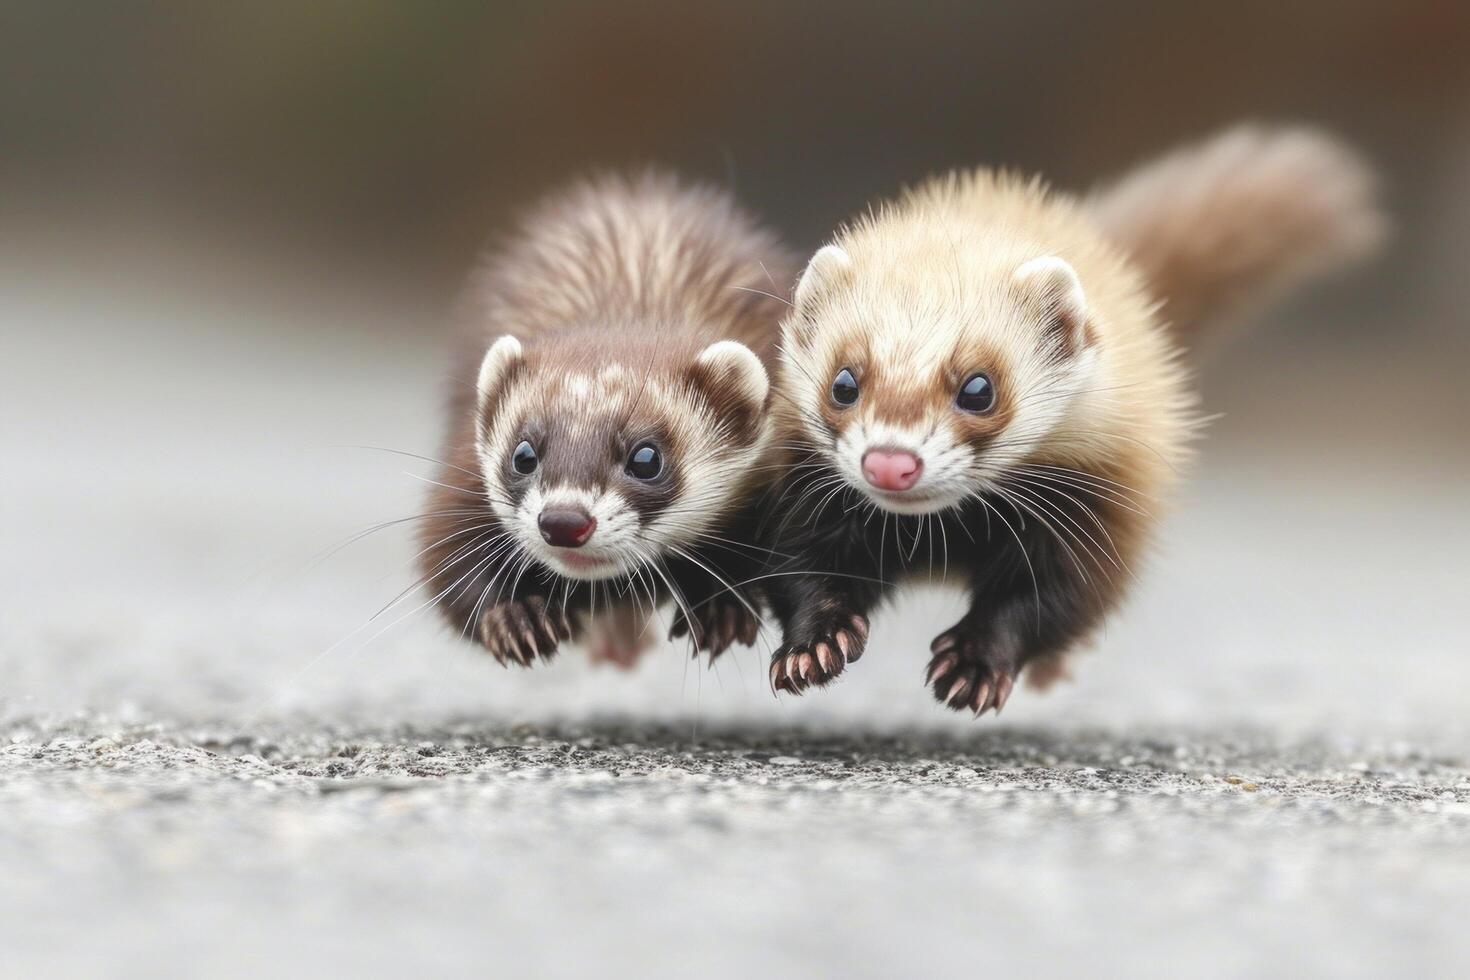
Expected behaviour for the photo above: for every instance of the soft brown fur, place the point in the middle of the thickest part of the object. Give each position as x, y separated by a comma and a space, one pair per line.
616, 259
1232, 222
617, 289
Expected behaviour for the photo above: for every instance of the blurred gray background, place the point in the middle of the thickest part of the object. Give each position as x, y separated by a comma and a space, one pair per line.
229, 237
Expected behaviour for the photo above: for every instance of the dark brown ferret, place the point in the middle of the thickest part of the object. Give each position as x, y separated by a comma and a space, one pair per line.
607, 423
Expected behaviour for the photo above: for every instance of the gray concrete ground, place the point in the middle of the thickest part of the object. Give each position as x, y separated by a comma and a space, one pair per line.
211, 763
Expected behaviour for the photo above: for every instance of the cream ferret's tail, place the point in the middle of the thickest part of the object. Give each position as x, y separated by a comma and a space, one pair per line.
1225, 225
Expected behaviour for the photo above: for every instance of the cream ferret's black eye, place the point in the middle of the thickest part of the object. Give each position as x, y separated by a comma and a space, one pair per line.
976, 395
844, 388
523, 459
645, 462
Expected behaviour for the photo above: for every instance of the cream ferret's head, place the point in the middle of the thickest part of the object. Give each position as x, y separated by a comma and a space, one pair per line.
926, 357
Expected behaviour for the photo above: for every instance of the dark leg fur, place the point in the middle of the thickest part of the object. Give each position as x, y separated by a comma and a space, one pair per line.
975, 663
723, 592
823, 594
1023, 607
837, 636
518, 616
520, 630
1037, 587
720, 620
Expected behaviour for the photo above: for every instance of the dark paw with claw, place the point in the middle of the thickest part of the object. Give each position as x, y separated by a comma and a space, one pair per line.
970, 673
521, 630
719, 622
794, 667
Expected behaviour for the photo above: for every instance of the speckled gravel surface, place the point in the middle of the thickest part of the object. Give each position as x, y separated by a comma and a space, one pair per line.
626, 849
212, 762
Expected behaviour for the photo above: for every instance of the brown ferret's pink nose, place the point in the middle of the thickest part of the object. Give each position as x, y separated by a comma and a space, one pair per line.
566, 527
892, 469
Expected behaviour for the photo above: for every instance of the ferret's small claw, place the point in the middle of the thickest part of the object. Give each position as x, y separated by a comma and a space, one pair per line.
825, 660
1003, 686
939, 667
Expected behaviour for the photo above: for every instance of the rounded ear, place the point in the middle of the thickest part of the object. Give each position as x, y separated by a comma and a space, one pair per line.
828, 267
1052, 285
503, 355
736, 384
734, 368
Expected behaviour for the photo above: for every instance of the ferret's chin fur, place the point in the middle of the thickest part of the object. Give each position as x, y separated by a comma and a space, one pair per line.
1043, 501
910, 504
585, 568
622, 313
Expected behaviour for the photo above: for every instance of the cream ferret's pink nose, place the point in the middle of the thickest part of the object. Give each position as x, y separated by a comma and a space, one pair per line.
891, 469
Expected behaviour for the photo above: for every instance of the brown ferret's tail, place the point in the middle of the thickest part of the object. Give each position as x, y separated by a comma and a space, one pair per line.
1224, 225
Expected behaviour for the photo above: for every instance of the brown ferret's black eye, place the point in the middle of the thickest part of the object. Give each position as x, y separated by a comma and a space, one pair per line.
844, 389
645, 462
523, 459
976, 395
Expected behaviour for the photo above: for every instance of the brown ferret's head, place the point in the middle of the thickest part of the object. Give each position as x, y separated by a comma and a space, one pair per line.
602, 452
973, 327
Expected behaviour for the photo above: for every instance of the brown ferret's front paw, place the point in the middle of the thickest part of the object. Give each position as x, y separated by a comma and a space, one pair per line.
520, 630
795, 667
719, 622
968, 672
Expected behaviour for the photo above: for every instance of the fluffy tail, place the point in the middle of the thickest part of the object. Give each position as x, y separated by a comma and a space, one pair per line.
1239, 219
